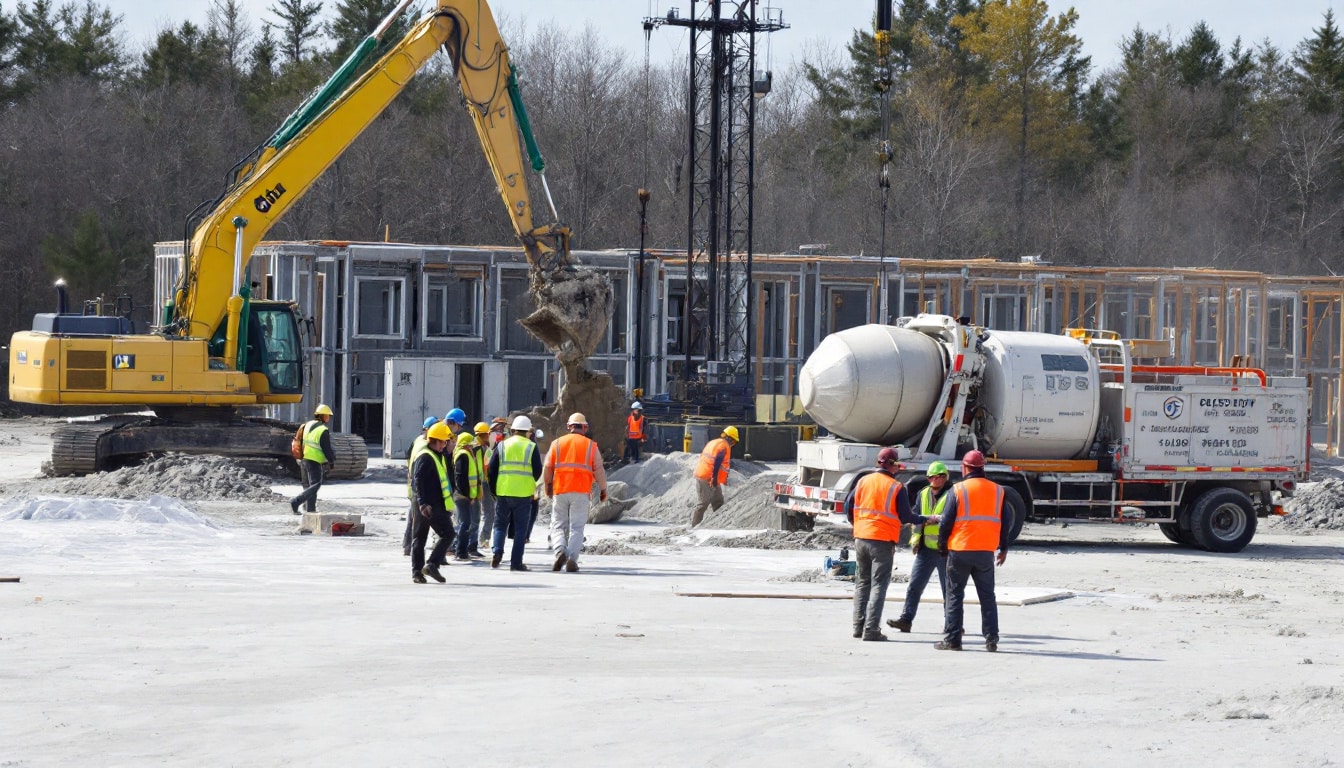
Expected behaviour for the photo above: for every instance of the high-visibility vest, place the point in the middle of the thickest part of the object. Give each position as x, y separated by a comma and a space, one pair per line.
420, 442
439, 464
571, 458
979, 516
515, 478
875, 514
634, 427
312, 441
713, 449
928, 508
475, 470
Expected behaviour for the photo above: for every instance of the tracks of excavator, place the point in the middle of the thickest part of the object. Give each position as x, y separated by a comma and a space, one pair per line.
81, 448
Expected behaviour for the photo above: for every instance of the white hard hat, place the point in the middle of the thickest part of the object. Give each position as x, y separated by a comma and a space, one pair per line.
578, 418
522, 424
636, 406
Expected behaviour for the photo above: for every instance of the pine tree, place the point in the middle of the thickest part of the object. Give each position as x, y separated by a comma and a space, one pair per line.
298, 28
355, 19
186, 54
1319, 65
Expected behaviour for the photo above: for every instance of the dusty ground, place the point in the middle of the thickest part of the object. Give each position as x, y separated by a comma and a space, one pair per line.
212, 635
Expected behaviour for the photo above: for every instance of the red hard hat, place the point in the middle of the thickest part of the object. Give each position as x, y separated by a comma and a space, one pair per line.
973, 459
887, 456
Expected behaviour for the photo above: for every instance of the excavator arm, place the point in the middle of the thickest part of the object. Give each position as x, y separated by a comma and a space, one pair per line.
573, 306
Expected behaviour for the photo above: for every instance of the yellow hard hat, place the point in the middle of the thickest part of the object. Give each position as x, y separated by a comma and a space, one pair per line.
481, 428
730, 432
439, 432
466, 438
322, 410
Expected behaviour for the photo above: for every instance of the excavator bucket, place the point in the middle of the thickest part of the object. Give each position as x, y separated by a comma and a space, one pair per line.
574, 307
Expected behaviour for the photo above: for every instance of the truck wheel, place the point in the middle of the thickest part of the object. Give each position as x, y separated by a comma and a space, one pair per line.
1013, 505
1172, 531
1222, 520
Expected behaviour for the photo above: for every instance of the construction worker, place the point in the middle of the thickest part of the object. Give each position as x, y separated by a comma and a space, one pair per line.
485, 441
877, 506
419, 442
316, 452
634, 432
929, 505
456, 420
711, 473
971, 530
513, 474
433, 493
573, 466
468, 477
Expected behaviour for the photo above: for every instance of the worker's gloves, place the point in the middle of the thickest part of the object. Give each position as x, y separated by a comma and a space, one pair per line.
424, 510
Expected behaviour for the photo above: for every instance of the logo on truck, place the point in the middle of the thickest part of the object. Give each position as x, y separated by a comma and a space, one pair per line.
1172, 407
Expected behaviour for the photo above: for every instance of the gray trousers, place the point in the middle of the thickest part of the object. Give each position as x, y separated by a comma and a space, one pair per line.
874, 559
706, 496
487, 515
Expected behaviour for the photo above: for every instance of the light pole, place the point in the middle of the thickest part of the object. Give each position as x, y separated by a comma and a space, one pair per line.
639, 290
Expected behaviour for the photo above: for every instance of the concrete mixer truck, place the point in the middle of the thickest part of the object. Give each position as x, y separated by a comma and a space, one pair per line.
1075, 427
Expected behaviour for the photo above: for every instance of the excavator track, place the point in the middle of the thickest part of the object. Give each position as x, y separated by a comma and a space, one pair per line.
86, 447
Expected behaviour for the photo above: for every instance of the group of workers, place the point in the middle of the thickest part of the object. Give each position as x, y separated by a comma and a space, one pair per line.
958, 529
492, 480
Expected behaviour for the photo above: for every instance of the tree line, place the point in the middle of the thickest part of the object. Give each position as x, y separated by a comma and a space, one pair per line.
1002, 139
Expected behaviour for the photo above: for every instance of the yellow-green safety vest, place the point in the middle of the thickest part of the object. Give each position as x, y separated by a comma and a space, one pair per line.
930, 531
441, 466
475, 470
420, 442
515, 468
312, 441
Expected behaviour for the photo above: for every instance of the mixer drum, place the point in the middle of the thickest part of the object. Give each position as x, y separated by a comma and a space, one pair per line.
874, 383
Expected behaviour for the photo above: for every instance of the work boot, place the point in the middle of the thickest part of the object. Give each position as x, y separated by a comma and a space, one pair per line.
461, 559
992, 644
418, 578
901, 624
858, 631
475, 554
432, 571
560, 558
876, 636
518, 568
495, 559
572, 565
294, 507
943, 645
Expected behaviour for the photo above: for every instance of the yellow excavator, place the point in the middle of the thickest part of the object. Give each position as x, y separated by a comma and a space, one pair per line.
217, 350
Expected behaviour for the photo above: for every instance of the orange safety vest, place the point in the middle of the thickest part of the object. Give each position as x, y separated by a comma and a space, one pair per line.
875, 514
713, 449
979, 516
634, 427
571, 459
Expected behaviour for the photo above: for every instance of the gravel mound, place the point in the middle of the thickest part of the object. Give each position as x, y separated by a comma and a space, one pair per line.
664, 486
1317, 505
612, 547
176, 475
784, 540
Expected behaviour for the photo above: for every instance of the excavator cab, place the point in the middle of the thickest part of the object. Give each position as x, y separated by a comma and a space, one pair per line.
274, 348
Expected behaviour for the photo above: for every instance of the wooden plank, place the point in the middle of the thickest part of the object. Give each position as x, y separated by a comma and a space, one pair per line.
9, 579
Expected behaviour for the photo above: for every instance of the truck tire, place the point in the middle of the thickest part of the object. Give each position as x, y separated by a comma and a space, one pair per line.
1014, 512
1172, 531
1222, 520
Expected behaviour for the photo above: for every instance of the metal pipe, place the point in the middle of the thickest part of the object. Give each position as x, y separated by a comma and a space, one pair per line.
639, 292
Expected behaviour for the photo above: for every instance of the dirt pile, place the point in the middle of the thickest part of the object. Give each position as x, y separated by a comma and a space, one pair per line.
604, 404
1317, 506
665, 487
613, 547
179, 476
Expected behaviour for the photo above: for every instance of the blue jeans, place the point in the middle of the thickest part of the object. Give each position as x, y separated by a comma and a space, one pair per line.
927, 561
515, 510
468, 524
870, 583
977, 567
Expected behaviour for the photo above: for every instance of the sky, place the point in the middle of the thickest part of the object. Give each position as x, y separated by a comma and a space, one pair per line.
816, 25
